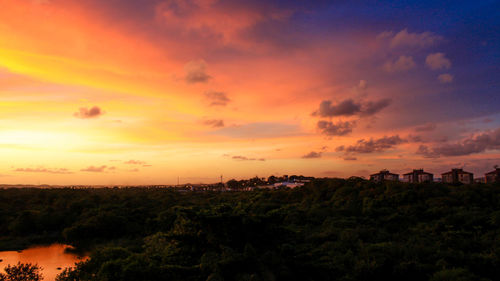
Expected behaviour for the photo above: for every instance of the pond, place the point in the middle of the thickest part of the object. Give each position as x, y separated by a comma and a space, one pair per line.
53, 259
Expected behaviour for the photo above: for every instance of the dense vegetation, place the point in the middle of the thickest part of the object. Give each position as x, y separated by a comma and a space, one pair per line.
331, 229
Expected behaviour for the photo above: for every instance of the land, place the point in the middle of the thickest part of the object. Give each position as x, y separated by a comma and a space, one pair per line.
328, 229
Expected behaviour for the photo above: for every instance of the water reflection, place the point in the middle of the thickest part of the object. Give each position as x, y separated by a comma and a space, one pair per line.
51, 258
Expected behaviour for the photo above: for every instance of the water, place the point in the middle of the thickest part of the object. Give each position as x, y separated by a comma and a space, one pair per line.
50, 258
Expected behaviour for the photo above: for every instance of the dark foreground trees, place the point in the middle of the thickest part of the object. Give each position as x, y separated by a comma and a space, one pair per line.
22, 272
331, 229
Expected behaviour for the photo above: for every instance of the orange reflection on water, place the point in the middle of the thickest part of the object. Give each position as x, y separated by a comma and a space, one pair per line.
50, 258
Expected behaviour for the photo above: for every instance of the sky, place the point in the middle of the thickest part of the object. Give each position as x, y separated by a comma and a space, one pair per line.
151, 92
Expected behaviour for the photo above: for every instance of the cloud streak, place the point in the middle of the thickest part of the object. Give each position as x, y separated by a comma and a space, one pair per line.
87, 113
335, 129
196, 72
244, 158
99, 169
44, 170
217, 98
312, 154
214, 123
489, 140
407, 39
372, 145
349, 107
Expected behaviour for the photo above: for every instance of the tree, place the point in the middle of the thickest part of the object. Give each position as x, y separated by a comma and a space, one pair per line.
22, 272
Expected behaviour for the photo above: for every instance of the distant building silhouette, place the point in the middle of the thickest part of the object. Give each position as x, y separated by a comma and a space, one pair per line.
418, 176
384, 175
493, 176
458, 176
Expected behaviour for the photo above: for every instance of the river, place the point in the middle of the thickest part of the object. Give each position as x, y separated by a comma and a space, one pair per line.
53, 259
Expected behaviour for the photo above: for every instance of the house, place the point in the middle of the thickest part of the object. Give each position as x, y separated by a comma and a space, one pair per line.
418, 176
493, 176
384, 175
458, 176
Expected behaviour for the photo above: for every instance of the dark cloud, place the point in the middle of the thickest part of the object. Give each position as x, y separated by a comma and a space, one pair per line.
369, 146
259, 130
134, 162
373, 107
344, 108
335, 129
196, 72
244, 158
214, 123
85, 113
350, 107
44, 170
485, 141
93, 169
426, 127
217, 98
350, 158
312, 154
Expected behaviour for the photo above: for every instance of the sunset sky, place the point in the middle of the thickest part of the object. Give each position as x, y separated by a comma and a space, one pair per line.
144, 92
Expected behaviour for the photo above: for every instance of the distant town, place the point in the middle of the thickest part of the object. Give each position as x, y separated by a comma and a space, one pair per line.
454, 176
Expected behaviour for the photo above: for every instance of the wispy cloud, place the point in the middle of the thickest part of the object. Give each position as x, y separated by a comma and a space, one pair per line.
86, 113
99, 169
196, 72
437, 61
44, 170
244, 158
217, 98
373, 145
214, 123
312, 154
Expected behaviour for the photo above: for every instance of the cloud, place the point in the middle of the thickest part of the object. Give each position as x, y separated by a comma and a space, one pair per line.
344, 108
93, 169
335, 129
350, 158
361, 87
259, 130
44, 170
196, 72
408, 39
489, 140
134, 162
378, 145
312, 154
85, 113
445, 78
403, 63
350, 107
217, 98
426, 127
437, 61
373, 107
244, 158
214, 123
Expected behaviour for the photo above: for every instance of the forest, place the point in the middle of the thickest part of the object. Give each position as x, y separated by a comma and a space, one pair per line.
329, 229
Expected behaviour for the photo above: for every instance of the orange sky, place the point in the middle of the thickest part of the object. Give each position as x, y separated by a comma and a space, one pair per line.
92, 93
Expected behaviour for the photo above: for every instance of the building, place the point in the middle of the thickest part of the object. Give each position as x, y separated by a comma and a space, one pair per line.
418, 176
458, 176
384, 175
493, 176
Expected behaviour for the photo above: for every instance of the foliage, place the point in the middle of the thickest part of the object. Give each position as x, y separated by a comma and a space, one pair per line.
22, 272
330, 229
